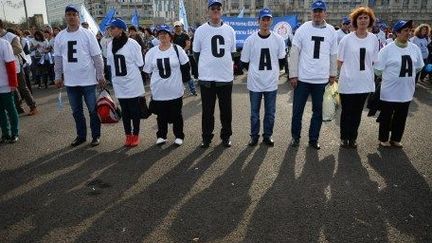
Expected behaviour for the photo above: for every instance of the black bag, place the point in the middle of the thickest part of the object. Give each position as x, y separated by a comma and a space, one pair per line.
144, 110
185, 69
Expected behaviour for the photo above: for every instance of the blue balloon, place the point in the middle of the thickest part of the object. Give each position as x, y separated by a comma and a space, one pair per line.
428, 68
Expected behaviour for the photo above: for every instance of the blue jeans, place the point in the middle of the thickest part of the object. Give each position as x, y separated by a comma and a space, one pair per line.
301, 94
75, 95
269, 112
192, 86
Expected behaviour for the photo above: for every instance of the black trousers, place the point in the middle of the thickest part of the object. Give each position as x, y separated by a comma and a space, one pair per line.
352, 108
169, 111
392, 120
130, 109
208, 97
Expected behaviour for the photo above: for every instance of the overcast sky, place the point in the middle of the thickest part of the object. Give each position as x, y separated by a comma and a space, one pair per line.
15, 15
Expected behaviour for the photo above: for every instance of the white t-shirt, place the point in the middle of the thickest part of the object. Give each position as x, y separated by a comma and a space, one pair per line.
263, 56
315, 45
215, 45
166, 79
398, 78
340, 35
77, 49
126, 76
358, 55
6, 55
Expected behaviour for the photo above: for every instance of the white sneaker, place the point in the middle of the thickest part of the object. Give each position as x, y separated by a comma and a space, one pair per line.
178, 141
160, 141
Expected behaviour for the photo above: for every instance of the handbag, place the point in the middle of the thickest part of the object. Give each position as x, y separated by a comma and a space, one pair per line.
185, 68
144, 110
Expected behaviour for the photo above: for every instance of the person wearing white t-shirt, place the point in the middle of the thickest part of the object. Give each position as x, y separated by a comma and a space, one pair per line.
213, 45
78, 58
398, 64
344, 29
263, 54
357, 53
8, 83
165, 62
312, 64
125, 59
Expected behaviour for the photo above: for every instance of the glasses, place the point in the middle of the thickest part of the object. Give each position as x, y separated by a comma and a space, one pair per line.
215, 8
346, 23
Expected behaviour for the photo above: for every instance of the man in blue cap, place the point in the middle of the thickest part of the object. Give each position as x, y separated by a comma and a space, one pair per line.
213, 45
79, 66
263, 55
344, 28
312, 65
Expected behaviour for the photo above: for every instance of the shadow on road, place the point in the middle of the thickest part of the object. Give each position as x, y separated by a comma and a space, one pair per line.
65, 191
406, 200
292, 209
215, 212
134, 219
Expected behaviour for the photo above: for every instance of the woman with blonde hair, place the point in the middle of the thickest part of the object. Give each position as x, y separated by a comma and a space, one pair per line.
422, 40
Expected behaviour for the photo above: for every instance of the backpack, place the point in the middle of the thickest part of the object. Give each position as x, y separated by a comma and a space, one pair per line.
106, 108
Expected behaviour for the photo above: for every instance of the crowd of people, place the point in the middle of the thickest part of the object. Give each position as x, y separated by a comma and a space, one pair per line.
360, 56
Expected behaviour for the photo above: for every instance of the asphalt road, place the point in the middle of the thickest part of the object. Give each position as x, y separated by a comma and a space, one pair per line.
50, 192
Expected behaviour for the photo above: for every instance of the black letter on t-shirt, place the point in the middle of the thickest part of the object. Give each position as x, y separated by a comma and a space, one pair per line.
165, 68
406, 67
362, 59
265, 62
317, 40
216, 41
71, 51
120, 65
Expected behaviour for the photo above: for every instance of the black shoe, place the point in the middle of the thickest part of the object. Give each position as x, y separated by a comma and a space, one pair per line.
5, 139
344, 143
226, 143
205, 144
295, 142
95, 142
78, 141
253, 142
20, 110
315, 145
13, 139
352, 144
268, 141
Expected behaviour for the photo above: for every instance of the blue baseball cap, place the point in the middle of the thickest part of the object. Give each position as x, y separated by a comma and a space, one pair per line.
400, 24
119, 23
71, 8
164, 28
265, 12
346, 20
213, 2
319, 5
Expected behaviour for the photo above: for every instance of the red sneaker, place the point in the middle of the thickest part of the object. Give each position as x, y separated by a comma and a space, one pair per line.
134, 141
128, 140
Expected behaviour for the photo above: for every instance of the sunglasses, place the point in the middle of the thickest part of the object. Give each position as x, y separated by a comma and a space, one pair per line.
346, 23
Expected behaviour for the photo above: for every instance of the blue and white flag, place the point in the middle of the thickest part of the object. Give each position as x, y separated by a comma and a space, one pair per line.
85, 16
106, 21
135, 18
241, 14
183, 15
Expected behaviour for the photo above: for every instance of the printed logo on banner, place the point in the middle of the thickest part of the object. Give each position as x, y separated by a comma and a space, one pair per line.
283, 29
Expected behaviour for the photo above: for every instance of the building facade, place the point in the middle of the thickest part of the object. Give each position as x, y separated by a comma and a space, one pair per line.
389, 10
98, 9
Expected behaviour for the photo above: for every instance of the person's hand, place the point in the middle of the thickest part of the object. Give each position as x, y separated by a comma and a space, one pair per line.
59, 83
293, 82
102, 82
332, 80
